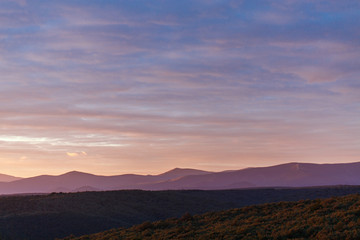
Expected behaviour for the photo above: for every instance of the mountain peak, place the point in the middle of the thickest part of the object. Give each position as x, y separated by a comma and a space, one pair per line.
181, 172
177, 169
75, 173
8, 178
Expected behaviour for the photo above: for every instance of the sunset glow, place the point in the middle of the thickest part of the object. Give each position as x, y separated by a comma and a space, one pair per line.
112, 87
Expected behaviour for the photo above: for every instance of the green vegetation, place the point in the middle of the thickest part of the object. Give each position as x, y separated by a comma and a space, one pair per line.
57, 215
334, 218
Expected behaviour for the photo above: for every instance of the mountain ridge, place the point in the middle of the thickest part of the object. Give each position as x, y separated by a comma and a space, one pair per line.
8, 178
293, 174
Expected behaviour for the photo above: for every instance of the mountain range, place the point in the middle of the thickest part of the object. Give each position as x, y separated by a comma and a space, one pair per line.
284, 175
8, 178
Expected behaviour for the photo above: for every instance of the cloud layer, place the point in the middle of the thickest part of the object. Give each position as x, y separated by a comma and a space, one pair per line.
143, 86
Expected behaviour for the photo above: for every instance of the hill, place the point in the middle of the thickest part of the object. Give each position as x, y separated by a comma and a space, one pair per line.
284, 175
8, 178
181, 172
79, 181
333, 218
61, 214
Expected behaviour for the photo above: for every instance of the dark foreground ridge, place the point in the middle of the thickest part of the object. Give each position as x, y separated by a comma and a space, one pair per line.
59, 215
333, 218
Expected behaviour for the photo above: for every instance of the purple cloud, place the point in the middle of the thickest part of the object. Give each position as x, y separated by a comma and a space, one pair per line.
146, 86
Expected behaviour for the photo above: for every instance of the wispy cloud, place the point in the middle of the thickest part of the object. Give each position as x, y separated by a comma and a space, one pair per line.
146, 86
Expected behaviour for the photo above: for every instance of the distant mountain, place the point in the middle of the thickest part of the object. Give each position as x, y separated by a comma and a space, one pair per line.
78, 181
284, 175
181, 172
8, 178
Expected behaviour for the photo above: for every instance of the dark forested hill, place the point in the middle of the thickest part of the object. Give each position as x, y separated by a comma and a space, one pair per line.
62, 214
333, 218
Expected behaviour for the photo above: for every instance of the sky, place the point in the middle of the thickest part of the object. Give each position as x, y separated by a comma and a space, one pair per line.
112, 87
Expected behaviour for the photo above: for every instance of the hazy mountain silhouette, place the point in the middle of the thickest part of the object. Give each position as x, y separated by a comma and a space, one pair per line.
284, 175
181, 172
8, 178
79, 181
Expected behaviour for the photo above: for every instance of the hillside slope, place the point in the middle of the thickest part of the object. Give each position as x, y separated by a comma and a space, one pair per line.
79, 181
284, 175
334, 218
43, 217
8, 178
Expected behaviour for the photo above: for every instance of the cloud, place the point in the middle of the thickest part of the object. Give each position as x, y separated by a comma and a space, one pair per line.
186, 83
72, 154
76, 154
